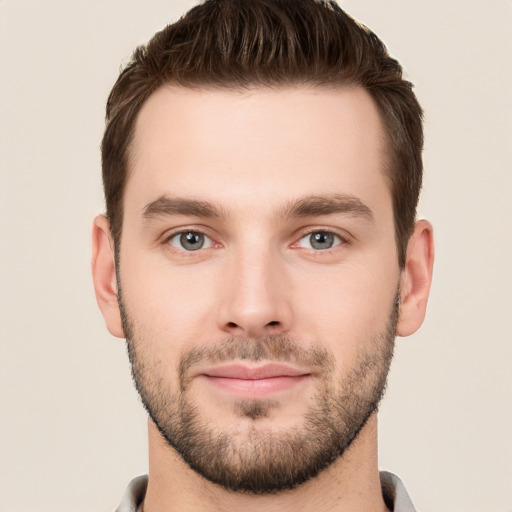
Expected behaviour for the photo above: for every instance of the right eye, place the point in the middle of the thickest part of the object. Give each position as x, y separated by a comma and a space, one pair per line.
190, 241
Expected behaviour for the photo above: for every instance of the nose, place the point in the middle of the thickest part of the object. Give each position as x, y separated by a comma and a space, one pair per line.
255, 297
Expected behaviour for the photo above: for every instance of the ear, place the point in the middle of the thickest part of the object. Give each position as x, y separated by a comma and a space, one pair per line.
104, 275
416, 278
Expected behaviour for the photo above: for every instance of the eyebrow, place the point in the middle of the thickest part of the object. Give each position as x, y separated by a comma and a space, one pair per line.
315, 205
168, 206
309, 206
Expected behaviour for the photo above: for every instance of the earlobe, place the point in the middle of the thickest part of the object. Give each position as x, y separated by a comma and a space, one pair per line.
104, 275
416, 278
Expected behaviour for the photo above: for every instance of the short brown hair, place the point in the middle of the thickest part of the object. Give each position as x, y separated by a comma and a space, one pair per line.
242, 44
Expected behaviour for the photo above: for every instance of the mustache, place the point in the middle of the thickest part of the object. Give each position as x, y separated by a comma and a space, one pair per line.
280, 349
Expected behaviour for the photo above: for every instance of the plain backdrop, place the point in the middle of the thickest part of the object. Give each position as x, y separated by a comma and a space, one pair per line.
72, 432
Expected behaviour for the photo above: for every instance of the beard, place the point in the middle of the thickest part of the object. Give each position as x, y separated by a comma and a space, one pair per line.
258, 459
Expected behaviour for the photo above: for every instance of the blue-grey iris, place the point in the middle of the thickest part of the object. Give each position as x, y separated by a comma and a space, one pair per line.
192, 241
321, 240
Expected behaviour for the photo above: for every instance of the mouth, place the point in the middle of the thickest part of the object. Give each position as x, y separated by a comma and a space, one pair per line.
259, 381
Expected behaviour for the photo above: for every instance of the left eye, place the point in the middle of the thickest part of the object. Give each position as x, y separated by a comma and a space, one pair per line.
190, 241
320, 240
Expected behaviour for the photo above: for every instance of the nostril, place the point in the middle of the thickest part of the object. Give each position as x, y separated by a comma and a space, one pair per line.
232, 324
273, 323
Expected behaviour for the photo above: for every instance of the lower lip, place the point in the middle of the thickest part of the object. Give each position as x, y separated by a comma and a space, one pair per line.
256, 387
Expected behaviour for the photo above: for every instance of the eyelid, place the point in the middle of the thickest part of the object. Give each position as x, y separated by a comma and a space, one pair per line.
343, 236
207, 243
341, 233
201, 230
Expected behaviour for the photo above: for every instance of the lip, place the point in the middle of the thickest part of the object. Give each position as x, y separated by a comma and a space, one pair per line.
242, 371
254, 381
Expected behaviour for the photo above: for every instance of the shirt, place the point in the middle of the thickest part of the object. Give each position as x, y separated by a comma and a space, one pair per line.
393, 491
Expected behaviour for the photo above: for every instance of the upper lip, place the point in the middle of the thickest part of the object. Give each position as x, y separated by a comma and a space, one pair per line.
242, 371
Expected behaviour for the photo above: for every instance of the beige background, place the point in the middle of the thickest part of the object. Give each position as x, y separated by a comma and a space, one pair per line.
72, 433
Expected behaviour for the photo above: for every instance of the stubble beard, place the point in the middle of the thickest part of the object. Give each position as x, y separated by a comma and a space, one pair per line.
254, 459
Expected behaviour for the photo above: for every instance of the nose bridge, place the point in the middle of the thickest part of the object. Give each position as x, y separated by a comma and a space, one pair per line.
255, 303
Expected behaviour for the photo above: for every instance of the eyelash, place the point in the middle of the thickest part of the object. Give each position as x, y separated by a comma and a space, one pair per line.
343, 240
168, 238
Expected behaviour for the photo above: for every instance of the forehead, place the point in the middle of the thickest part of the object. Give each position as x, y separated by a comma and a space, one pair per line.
257, 145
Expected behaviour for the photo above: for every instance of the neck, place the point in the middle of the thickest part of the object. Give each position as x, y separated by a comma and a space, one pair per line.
349, 484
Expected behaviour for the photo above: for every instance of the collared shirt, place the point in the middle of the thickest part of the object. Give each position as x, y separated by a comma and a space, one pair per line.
393, 491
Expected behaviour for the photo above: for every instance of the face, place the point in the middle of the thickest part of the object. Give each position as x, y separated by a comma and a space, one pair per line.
258, 277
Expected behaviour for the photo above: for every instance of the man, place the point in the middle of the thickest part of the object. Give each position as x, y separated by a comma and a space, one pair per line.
259, 252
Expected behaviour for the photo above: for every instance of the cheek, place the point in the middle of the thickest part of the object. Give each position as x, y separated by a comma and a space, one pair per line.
346, 309
168, 306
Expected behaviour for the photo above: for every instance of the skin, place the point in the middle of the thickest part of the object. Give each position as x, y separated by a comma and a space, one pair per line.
251, 155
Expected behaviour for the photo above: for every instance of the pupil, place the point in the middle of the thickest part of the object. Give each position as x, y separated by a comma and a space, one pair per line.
192, 241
